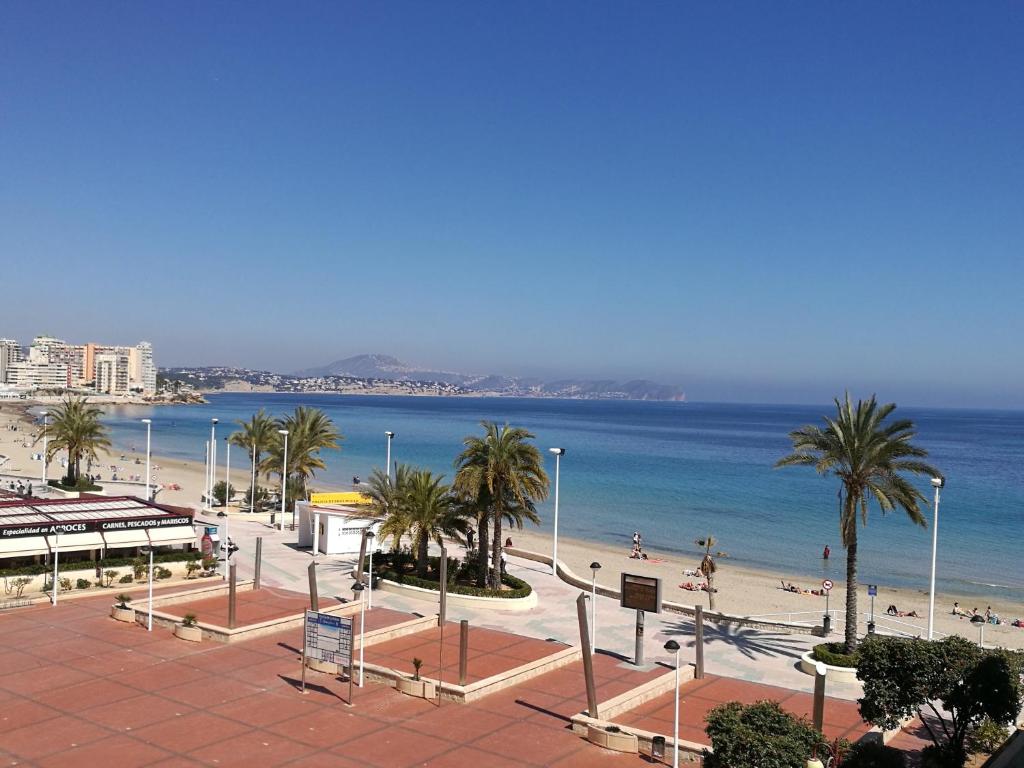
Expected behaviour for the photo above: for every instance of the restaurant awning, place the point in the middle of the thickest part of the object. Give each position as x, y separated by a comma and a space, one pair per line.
177, 534
73, 542
25, 547
136, 538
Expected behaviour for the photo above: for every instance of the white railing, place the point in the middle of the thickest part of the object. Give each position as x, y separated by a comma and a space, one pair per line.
813, 618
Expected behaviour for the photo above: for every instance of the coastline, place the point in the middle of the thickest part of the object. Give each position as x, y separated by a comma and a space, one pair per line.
742, 589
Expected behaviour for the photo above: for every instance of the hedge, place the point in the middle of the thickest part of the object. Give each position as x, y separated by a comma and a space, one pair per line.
107, 562
519, 588
834, 654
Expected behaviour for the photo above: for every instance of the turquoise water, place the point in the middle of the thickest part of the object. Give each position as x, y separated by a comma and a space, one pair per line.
677, 471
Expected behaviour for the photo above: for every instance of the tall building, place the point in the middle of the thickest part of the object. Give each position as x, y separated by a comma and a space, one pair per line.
111, 373
10, 352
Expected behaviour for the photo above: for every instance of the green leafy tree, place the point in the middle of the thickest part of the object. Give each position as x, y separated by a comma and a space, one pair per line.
256, 436
960, 685
310, 431
868, 456
222, 492
760, 734
504, 472
74, 426
388, 497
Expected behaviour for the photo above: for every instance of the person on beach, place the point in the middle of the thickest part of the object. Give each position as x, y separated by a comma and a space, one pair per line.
826, 553
957, 610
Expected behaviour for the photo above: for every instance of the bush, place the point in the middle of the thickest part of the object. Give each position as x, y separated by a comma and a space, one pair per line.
945, 756
108, 577
760, 734
83, 484
873, 755
126, 579
161, 573
189, 620
834, 654
83, 583
394, 565
123, 600
986, 737
65, 583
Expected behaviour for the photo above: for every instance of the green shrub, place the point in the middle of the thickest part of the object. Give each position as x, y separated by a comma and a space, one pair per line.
759, 734
107, 562
519, 588
65, 583
986, 737
126, 579
946, 756
189, 620
834, 654
161, 573
82, 484
873, 755
83, 583
123, 600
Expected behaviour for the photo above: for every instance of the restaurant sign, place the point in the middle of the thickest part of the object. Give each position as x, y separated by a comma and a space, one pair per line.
90, 526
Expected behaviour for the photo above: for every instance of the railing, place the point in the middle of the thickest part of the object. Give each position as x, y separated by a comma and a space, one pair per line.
813, 620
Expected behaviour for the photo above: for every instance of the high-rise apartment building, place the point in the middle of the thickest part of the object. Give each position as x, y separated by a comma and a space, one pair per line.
10, 353
111, 373
54, 364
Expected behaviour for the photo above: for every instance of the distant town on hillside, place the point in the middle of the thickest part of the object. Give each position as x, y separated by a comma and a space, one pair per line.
383, 374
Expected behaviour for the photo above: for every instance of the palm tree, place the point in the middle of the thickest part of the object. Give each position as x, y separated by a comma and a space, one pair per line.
75, 427
310, 431
708, 567
504, 472
868, 456
388, 498
428, 514
255, 436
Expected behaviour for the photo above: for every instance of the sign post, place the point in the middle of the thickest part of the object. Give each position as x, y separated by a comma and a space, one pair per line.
328, 638
641, 593
872, 591
827, 585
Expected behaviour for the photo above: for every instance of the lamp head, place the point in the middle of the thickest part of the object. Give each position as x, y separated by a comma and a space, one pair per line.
557, 451
820, 668
370, 534
282, 431
389, 435
214, 421
147, 421
595, 566
222, 514
939, 482
358, 587
44, 414
671, 646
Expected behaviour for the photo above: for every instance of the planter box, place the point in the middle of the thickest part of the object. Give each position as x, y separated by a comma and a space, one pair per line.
424, 689
618, 741
192, 634
122, 614
834, 674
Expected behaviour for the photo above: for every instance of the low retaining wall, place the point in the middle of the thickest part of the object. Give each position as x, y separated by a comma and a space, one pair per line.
569, 577
836, 674
464, 601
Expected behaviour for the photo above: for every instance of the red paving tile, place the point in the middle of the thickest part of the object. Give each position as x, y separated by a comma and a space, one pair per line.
133, 698
698, 697
250, 607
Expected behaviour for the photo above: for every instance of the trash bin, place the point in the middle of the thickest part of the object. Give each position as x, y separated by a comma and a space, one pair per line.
658, 746
871, 627
826, 625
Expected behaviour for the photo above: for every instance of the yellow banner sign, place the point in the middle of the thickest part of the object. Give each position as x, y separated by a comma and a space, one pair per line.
346, 497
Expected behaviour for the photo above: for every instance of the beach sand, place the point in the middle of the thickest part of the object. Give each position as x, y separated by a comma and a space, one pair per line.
741, 590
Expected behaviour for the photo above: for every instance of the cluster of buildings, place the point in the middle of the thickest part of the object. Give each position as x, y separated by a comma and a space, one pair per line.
53, 364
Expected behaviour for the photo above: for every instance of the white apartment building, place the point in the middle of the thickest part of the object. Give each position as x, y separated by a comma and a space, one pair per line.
54, 364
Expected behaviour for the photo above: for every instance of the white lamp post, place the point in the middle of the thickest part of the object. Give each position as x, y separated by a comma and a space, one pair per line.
937, 483
559, 452
213, 461
594, 568
206, 479
149, 619
284, 474
369, 581
358, 589
56, 555
673, 647
225, 545
227, 474
387, 458
149, 429
46, 440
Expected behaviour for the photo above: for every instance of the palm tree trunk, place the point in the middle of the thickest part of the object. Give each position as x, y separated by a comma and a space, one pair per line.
421, 556
495, 575
481, 560
711, 591
851, 590
73, 469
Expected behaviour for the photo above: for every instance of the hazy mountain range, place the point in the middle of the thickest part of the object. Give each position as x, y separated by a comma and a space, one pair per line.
393, 369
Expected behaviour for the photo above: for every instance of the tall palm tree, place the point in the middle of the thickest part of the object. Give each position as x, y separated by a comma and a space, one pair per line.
310, 431
868, 456
504, 471
387, 500
75, 427
427, 513
708, 567
255, 436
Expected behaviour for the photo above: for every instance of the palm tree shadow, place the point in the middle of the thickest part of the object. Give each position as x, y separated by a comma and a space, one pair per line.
749, 641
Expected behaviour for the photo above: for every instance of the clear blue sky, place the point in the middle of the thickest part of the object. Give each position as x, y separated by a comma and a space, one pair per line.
758, 201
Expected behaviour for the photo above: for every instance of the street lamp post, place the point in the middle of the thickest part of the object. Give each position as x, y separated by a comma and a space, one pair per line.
673, 647
149, 619
358, 589
149, 429
56, 557
227, 474
387, 457
252, 488
213, 461
594, 568
206, 478
369, 581
559, 452
46, 440
225, 545
284, 474
937, 483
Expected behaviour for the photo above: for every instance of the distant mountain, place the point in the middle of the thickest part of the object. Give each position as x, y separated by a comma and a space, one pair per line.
390, 368
381, 367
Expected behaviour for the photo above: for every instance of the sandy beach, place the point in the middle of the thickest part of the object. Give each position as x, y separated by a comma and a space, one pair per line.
741, 591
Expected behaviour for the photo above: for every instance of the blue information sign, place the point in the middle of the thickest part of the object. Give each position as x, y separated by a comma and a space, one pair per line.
872, 590
329, 638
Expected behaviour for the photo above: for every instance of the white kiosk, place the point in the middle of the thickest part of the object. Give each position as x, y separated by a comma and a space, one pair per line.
333, 523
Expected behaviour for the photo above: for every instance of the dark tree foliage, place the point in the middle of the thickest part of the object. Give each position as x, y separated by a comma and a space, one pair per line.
760, 734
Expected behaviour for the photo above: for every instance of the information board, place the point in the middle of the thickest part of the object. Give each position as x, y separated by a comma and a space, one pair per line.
329, 638
641, 592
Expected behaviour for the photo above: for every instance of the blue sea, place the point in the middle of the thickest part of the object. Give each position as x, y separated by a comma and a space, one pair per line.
679, 471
